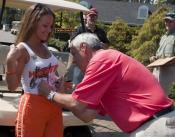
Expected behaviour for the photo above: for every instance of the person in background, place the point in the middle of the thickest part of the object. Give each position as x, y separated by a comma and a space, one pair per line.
30, 61
166, 74
90, 20
117, 85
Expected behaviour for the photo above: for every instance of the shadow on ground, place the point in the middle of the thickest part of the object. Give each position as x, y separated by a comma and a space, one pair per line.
107, 134
105, 127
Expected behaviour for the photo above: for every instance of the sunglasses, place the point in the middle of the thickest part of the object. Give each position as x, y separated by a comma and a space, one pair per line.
168, 21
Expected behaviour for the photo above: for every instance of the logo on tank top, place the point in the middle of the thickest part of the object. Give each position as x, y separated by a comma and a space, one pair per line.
40, 73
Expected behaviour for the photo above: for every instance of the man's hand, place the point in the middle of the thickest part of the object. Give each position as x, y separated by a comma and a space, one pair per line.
68, 86
67, 101
44, 88
170, 122
153, 58
59, 84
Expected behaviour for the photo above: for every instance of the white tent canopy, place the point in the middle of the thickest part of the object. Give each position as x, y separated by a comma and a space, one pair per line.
53, 4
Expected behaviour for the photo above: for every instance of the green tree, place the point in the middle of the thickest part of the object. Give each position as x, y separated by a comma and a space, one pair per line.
104, 26
56, 43
120, 35
146, 42
67, 19
11, 14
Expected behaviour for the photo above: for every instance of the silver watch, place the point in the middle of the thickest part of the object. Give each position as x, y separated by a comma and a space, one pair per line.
51, 95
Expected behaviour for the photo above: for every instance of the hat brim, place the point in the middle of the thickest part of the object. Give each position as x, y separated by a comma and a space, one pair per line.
92, 14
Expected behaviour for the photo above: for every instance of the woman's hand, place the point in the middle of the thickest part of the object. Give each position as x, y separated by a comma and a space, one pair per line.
153, 58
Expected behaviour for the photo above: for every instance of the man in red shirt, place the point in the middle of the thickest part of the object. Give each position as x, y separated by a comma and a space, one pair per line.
117, 85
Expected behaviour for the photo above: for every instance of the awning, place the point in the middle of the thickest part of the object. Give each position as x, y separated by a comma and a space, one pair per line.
162, 62
53, 4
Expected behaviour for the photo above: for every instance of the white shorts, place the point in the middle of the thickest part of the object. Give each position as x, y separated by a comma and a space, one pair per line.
157, 127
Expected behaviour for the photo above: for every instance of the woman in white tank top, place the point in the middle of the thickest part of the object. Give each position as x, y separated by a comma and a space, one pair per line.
29, 62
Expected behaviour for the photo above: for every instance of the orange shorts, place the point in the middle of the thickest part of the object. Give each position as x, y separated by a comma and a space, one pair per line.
37, 117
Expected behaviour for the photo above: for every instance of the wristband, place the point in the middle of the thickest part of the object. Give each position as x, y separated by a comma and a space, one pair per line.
51, 95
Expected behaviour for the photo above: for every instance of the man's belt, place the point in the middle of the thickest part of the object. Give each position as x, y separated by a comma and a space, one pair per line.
161, 113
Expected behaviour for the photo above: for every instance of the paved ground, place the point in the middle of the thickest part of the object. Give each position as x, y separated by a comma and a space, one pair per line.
104, 127
7, 37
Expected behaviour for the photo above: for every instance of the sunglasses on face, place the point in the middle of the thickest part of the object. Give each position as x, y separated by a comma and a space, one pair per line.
168, 21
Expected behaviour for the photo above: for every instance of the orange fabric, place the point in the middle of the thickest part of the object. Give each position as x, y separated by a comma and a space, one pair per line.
37, 117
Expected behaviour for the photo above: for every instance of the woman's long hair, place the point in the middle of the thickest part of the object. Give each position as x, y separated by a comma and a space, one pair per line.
30, 21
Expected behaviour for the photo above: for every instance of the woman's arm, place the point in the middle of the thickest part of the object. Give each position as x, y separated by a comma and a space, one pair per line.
15, 63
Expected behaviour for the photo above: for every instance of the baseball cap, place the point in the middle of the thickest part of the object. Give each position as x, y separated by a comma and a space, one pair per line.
170, 16
93, 11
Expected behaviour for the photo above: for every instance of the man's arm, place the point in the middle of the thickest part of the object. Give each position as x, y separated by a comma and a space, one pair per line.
78, 109
67, 101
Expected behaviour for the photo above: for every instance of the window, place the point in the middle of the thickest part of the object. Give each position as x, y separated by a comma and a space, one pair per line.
142, 12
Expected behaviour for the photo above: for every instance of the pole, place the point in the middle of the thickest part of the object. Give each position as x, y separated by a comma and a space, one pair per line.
82, 21
2, 11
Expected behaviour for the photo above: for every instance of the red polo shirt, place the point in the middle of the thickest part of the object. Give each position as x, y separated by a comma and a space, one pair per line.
122, 87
